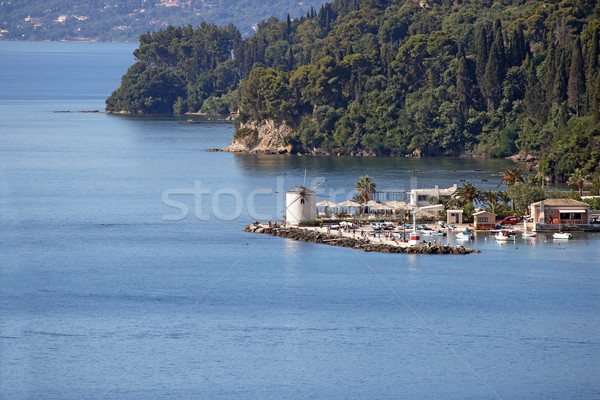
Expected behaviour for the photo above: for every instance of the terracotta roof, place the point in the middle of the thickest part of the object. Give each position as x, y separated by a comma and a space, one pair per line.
483, 212
562, 203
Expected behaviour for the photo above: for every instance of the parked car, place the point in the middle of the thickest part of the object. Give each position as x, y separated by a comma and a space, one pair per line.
510, 220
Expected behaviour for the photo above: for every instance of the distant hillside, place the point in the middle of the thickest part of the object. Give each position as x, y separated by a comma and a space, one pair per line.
393, 77
125, 20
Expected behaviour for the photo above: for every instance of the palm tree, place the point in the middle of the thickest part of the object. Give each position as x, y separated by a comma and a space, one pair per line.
468, 192
535, 180
490, 196
511, 176
365, 187
578, 178
358, 198
495, 208
504, 197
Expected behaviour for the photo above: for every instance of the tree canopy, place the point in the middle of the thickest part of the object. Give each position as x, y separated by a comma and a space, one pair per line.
395, 77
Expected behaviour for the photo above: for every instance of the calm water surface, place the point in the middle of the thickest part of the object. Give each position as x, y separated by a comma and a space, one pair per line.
108, 292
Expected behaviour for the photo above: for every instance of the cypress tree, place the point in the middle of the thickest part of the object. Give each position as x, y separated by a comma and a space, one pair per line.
463, 83
494, 73
595, 98
576, 85
535, 104
592, 54
499, 41
549, 72
513, 51
290, 59
591, 72
559, 93
482, 53
517, 48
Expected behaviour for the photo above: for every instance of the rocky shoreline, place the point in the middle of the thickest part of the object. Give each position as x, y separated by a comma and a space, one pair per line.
309, 235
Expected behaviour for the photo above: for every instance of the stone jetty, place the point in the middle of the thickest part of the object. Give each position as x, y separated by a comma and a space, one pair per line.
314, 235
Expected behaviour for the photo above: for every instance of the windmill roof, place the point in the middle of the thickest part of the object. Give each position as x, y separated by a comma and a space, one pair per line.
300, 189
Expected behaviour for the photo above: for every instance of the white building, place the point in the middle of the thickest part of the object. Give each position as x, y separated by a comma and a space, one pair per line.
301, 205
419, 197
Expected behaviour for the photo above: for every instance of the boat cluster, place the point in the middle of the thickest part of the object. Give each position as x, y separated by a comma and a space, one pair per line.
505, 234
402, 232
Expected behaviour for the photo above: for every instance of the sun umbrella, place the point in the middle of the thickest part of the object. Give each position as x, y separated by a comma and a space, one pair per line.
381, 207
396, 204
372, 203
349, 203
326, 203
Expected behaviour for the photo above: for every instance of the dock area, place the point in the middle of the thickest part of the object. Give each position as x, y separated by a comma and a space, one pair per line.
354, 239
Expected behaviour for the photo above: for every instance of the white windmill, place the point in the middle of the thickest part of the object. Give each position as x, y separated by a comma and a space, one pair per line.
301, 203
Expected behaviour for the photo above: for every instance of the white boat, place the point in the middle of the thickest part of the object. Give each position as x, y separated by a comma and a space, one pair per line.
504, 236
464, 236
433, 233
525, 233
562, 235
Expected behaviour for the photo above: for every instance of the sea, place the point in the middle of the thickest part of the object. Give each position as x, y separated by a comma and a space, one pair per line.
125, 272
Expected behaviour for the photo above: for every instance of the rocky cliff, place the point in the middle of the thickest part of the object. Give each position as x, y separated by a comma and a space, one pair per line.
261, 137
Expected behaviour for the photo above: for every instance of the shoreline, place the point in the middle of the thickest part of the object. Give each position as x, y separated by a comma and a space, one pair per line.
356, 241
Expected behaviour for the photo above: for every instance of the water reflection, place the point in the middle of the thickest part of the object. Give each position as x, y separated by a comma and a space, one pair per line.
388, 172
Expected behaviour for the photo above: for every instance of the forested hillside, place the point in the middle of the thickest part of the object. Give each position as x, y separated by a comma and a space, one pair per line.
490, 78
125, 20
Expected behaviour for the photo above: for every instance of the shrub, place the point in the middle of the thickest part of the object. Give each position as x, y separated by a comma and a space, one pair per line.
310, 223
245, 133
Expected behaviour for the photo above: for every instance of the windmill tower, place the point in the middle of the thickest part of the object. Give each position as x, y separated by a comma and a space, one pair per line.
301, 203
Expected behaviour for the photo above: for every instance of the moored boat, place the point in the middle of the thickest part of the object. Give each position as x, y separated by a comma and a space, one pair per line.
504, 236
525, 233
464, 236
562, 235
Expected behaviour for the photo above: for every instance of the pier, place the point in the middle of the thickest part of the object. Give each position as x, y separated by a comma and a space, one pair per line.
355, 240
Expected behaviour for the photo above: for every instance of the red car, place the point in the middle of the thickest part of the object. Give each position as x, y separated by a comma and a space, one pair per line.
510, 220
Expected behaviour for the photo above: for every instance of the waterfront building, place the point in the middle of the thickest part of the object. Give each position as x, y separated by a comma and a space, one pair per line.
484, 220
560, 211
454, 217
415, 197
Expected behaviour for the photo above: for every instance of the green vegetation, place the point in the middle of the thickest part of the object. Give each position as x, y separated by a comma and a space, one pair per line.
468, 193
365, 186
310, 223
395, 77
125, 20
578, 178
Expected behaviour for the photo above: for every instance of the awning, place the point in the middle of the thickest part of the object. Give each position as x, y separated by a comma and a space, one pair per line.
571, 211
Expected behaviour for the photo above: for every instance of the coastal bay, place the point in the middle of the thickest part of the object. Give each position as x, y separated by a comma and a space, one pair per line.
109, 291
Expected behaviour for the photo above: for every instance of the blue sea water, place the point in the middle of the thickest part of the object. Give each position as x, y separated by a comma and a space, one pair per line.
125, 272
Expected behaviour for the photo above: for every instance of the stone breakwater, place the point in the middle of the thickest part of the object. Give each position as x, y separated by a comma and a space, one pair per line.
365, 244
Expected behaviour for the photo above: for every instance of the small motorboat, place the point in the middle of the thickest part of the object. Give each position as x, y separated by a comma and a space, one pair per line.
464, 236
431, 232
562, 235
505, 236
